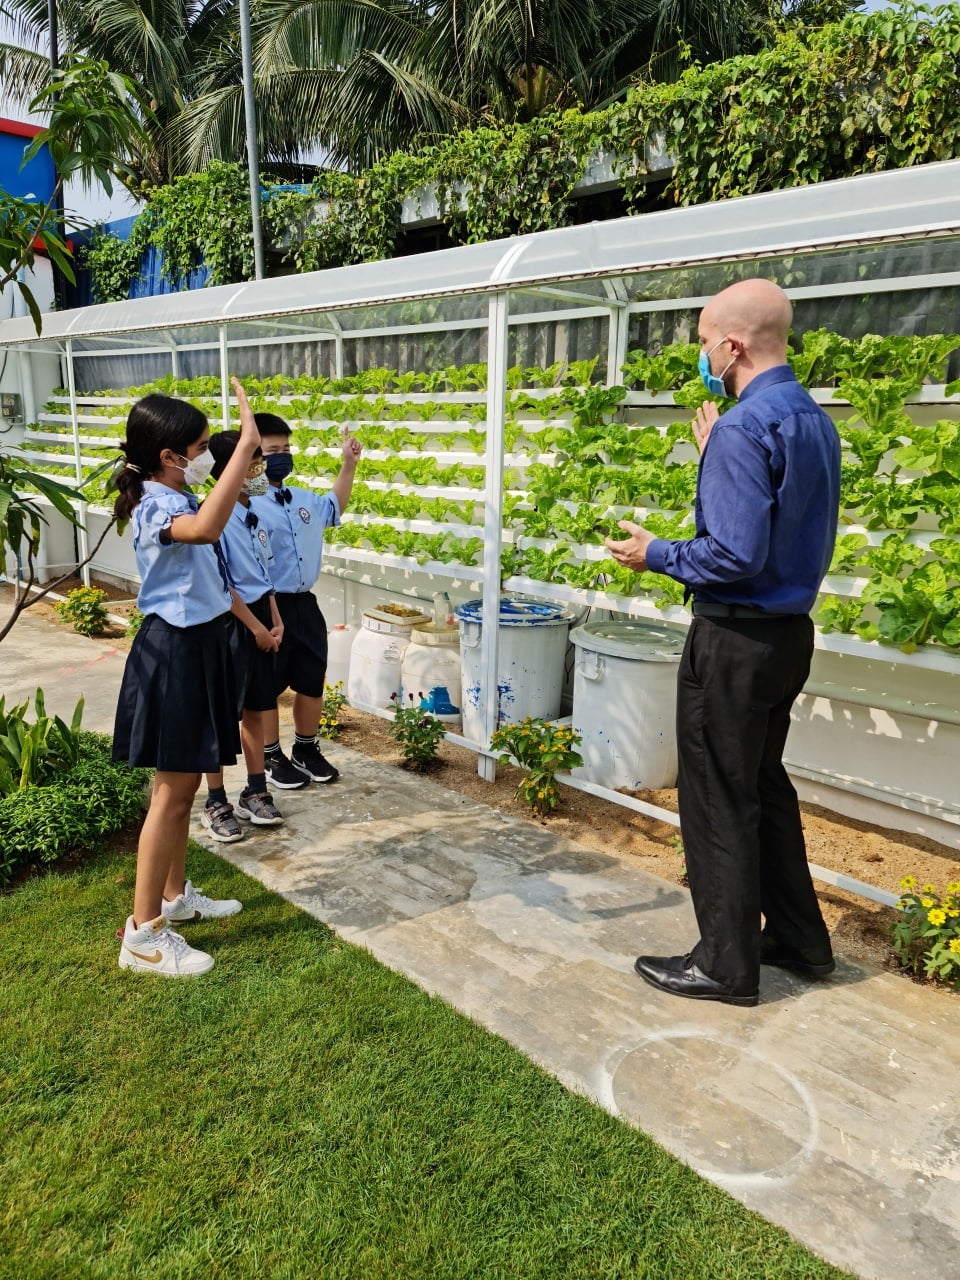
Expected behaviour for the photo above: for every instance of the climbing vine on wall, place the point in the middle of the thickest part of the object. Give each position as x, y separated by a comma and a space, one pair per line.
875, 91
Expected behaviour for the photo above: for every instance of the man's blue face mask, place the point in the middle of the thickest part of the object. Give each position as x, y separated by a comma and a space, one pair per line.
710, 380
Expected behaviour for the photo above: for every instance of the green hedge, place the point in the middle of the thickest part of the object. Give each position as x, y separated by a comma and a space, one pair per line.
71, 814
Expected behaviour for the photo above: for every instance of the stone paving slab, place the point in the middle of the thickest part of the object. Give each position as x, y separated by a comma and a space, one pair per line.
37, 653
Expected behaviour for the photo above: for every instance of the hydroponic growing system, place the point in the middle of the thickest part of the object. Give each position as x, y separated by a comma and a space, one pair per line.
515, 399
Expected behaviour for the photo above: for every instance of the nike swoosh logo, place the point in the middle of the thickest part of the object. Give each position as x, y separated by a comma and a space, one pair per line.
154, 959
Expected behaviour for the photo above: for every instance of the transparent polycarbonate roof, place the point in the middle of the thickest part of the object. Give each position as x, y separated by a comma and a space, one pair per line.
586, 265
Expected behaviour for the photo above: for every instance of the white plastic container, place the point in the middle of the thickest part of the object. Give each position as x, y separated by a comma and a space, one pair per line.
624, 703
531, 647
430, 671
376, 652
339, 643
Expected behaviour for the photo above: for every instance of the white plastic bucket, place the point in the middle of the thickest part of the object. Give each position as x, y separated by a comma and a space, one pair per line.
339, 642
624, 703
376, 652
430, 671
531, 646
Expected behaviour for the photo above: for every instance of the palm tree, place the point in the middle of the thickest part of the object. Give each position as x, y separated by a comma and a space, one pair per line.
361, 78
358, 79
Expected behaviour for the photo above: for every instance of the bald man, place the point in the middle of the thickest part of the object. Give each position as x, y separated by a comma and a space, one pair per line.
768, 495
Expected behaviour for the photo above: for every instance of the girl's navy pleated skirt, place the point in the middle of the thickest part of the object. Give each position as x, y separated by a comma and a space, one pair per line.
178, 699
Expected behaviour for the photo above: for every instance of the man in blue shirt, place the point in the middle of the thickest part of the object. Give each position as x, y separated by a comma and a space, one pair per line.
768, 495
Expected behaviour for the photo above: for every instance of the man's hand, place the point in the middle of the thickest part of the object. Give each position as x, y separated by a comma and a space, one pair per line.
632, 552
707, 415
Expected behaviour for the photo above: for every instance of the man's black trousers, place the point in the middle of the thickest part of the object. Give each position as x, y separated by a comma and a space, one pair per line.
739, 815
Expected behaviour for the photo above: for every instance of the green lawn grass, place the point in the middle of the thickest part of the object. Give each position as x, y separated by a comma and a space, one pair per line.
304, 1112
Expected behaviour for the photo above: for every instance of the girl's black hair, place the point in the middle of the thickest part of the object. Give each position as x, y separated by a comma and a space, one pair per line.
154, 423
222, 446
271, 424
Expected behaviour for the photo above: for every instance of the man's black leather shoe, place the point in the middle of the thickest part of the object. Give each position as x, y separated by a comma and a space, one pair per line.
774, 953
679, 976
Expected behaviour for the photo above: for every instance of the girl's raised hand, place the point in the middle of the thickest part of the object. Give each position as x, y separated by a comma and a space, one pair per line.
249, 434
352, 448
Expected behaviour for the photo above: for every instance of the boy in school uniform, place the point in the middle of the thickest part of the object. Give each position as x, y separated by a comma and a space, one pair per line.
246, 550
295, 520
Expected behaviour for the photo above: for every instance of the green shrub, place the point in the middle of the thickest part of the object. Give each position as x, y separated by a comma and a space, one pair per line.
43, 823
31, 753
85, 608
416, 732
540, 748
334, 698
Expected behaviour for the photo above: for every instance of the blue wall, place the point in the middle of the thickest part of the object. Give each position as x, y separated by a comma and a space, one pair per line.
36, 180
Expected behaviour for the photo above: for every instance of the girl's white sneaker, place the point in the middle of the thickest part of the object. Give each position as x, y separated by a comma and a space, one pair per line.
155, 948
193, 905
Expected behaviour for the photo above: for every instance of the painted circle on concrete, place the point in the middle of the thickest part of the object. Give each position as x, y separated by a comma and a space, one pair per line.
731, 1113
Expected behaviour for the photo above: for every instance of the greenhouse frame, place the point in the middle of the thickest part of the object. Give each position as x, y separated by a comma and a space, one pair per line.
876, 733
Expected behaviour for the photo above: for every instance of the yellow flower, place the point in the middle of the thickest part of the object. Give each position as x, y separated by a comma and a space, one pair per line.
953, 913
955, 944
926, 902
929, 888
908, 882
937, 916
953, 886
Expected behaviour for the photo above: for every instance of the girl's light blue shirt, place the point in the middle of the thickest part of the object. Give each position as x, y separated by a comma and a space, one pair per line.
180, 581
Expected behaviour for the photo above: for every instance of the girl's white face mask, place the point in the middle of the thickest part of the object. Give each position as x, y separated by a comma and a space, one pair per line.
198, 468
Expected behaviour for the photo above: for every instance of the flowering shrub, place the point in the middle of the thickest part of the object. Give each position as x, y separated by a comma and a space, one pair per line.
85, 608
333, 699
416, 732
927, 937
540, 748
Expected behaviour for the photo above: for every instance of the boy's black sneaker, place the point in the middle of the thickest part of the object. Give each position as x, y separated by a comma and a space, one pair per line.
282, 773
307, 758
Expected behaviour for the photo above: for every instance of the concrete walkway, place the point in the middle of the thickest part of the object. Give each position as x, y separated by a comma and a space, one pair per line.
832, 1108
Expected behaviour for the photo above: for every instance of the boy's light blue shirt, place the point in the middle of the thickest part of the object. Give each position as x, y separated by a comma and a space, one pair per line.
248, 555
295, 529
180, 581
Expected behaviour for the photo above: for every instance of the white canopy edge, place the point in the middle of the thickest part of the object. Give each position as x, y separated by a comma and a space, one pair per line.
904, 203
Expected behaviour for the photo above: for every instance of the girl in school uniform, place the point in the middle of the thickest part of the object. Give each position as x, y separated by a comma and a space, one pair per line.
177, 711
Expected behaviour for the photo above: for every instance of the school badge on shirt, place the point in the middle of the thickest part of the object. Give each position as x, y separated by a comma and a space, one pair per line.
304, 514
262, 535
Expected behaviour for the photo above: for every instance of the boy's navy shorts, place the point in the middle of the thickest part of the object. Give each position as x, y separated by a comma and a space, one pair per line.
257, 670
302, 660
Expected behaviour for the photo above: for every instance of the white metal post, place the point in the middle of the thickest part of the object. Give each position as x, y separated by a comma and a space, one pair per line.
26, 387
497, 337
75, 427
617, 343
224, 380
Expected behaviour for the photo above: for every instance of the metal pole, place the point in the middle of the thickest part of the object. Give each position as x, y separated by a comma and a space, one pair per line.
253, 151
497, 346
59, 282
82, 507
